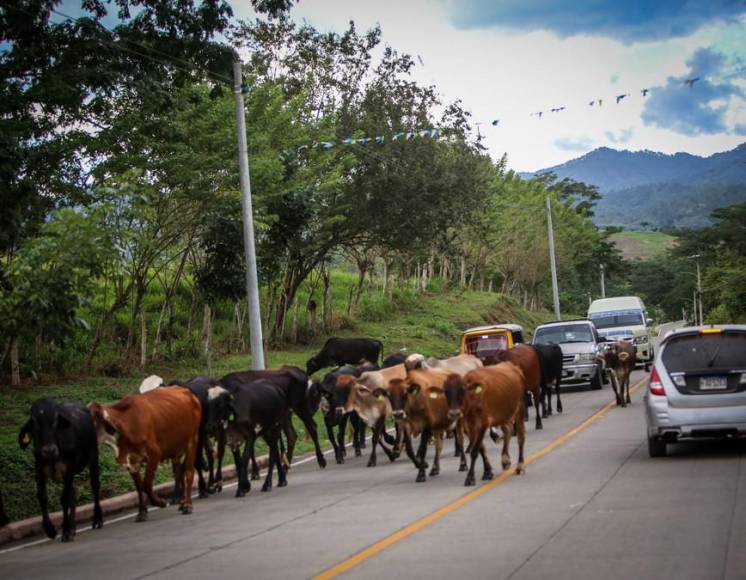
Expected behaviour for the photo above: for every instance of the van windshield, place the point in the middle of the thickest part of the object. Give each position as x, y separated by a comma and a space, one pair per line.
616, 318
565, 333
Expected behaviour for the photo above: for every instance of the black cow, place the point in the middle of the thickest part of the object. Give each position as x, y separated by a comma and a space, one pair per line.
294, 382
550, 361
259, 407
215, 401
394, 359
4, 519
325, 391
65, 444
341, 351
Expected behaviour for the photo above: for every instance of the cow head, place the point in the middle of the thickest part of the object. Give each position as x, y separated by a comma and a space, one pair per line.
414, 361
455, 392
47, 425
397, 394
312, 365
218, 406
343, 392
107, 427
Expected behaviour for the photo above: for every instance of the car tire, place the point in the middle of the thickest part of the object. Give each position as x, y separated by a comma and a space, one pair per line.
656, 447
597, 381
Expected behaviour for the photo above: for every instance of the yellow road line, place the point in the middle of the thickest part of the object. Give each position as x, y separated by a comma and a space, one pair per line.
416, 526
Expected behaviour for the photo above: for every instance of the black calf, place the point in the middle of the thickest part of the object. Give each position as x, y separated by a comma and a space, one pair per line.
340, 351
550, 361
65, 444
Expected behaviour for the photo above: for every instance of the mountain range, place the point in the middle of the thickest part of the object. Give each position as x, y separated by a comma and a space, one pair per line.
655, 190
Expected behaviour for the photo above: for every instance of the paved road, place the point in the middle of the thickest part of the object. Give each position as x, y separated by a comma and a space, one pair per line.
592, 505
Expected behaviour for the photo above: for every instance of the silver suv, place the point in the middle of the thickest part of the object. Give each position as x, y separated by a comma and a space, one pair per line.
698, 386
581, 350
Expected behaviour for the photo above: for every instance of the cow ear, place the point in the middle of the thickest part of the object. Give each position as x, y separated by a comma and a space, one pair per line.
436, 392
24, 435
363, 388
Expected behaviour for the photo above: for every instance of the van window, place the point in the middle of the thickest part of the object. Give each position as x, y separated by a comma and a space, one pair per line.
615, 318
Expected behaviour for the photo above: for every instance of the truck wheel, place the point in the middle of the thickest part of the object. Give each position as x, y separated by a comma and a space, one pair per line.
656, 447
597, 381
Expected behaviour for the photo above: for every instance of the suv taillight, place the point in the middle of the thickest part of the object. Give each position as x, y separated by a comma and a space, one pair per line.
656, 387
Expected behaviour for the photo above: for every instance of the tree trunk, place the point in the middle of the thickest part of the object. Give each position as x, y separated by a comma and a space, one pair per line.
158, 329
462, 275
207, 336
296, 325
143, 341
15, 367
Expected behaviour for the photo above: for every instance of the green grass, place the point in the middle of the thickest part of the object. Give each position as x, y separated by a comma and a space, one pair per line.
430, 324
642, 245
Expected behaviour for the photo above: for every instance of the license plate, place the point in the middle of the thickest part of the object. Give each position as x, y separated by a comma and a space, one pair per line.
713, 383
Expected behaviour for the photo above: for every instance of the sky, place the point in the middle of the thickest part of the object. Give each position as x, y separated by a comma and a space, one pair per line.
507, 59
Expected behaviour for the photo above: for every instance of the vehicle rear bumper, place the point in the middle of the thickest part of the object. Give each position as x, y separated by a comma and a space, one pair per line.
677, 423
575, 374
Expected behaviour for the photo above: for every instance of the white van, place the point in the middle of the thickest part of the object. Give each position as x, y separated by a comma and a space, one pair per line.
624, 318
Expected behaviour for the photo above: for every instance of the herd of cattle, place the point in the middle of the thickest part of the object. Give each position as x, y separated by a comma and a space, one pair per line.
191, 423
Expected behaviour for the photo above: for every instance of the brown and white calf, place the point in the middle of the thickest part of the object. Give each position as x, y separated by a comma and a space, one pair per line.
484, 398
147, 429
357, 394
420, 407
621, 358
459, 364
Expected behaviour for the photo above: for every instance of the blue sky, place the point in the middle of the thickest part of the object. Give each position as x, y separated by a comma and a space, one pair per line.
507, 59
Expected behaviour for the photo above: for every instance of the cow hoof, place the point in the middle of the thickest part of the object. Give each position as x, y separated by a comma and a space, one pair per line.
488, 475
240, 492
255, 476
186, 510
434, 472
340, 460
544, 415
322, 462
158, 502
462, 467
469, 481
142, 517
539, 426
204, 494
421, 478
97, 524
68, 536
371, 463
520, 469
266, 488
358, 452
50, 530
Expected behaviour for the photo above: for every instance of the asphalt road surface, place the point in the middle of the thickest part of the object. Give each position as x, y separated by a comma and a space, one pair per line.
591, 505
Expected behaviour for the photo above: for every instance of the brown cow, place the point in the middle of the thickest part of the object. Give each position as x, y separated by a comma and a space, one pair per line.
621, 358
527, 359
419, 404
147, 429
459, 364
484, 398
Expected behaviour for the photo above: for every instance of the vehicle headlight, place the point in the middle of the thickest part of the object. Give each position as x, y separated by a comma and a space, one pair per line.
587, 356
640, 340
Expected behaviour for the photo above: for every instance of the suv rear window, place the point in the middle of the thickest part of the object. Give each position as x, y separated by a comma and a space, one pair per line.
564, 333
723, 351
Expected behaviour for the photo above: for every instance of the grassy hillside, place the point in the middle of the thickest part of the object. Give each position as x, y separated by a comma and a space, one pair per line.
429, 323
642, 245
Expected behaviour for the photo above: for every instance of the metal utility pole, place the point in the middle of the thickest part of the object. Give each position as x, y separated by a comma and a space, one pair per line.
252, 282
696, 258
694, 306
553, 261
603, 282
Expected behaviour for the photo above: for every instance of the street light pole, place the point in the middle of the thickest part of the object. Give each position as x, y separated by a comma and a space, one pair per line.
252, 281
603, 282
696, 258
553, 261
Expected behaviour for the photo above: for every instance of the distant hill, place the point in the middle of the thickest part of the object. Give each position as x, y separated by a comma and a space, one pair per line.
677, 190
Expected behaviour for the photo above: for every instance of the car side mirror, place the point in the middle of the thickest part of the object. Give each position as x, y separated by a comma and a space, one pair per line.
649, 321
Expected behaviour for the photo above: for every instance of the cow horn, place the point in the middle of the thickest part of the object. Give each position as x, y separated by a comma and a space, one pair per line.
150, 383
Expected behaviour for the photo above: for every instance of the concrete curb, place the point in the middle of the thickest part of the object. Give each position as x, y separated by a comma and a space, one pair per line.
21, 529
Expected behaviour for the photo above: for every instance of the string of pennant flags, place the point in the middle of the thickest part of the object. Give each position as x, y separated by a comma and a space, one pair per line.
436, 133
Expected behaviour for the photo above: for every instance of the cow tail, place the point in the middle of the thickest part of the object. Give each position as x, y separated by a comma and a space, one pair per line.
380, 352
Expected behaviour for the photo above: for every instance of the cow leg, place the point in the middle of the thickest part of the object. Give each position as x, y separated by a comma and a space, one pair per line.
422, 455
526, 404
95, 471
67, 499
150, 469
187, 471
507, 434
361, 434
547, 396
210, 452
557, 390
398, 439
310, 426
244, 485
626, 382
475, 441
221, 454
282, 470
41, 495
409, 449
438, 448
381, 427
614, 384
292, 435
539, 422
374, 446
460, 443
177, 491
274, 459
202, 445
520, 428
329, 424
250, 454
341, 430
142, 508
